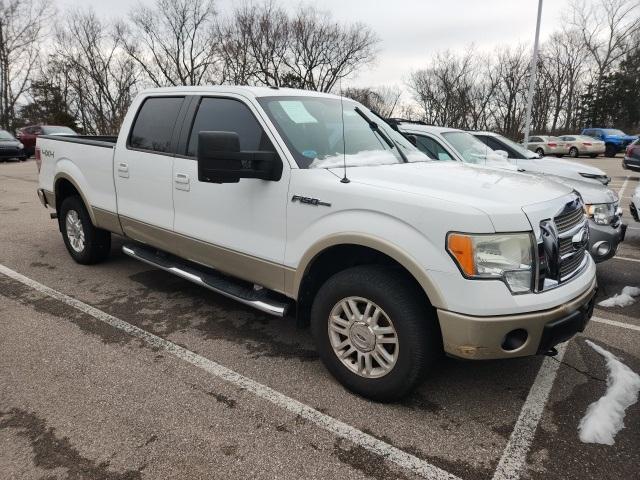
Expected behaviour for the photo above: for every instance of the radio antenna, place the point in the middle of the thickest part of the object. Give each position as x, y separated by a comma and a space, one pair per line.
344, 142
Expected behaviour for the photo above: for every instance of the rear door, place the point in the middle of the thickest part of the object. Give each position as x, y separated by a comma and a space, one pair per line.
143, 169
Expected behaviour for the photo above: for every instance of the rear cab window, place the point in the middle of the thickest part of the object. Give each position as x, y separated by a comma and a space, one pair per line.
153, 126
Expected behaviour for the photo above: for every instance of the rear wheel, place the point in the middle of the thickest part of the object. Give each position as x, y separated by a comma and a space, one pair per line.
86, 244
573, 152
540, 151
374, 331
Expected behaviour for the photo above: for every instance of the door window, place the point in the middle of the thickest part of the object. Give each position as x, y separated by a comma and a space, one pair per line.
228, 115
153, 126
432, 148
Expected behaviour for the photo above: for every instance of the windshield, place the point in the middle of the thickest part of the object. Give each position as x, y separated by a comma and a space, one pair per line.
520, 150
469, 147
49, 130
4, 135
613, 131
320, 134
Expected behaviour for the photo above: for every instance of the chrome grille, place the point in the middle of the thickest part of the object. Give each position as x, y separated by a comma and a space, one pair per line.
567, 221
566, 247
562, 246
570, 265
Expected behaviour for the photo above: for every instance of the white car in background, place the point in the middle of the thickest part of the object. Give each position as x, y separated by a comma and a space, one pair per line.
605, 217
546, 145
583, 145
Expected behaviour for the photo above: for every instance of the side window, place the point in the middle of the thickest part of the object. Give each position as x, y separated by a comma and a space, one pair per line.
154, 124
228, 115
493, 144
535, 139
432, 148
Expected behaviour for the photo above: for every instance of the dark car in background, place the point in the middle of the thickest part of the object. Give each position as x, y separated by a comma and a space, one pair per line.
632, 156
28, 135
10, 147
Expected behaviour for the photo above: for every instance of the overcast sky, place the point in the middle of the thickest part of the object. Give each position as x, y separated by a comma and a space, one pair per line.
412, 30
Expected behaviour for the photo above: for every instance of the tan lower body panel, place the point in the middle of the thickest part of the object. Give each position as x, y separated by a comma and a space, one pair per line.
480, 338
268, 274
107, 220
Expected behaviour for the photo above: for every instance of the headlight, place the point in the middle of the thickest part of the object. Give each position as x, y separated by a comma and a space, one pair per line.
601, 213
505, 256
20, 146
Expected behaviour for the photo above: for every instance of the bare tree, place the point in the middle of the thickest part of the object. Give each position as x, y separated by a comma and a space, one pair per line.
443, 90
101, 74
322, 51
174, 42
22, 30
253, 44
382, 100
606, 27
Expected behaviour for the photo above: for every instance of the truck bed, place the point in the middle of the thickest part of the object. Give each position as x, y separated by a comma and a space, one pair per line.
87, 160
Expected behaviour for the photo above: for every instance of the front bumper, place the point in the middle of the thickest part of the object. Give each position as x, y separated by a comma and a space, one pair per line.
602, 236
6, 154
483, 338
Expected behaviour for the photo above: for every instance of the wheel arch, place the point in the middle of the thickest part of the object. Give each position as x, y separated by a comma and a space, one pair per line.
64, 185
339, 252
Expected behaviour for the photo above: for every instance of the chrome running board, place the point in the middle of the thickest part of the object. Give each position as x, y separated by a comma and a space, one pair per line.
208, 278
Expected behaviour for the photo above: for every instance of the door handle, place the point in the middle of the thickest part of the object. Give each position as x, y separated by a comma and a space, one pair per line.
182, 182
123, 170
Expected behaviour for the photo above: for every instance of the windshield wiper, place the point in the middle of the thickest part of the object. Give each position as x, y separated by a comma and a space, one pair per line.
389, 141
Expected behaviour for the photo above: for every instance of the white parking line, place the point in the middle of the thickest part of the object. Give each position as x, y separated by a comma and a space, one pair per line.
514, 456
628, 259
624, 185
628, 326
338, 428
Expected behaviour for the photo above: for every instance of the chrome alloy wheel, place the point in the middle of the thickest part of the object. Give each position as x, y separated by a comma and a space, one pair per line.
363, 337
75, 232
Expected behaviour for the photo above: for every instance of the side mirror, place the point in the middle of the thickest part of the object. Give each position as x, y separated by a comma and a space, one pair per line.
221, 161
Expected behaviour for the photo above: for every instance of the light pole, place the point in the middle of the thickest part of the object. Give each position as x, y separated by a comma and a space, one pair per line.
532, 77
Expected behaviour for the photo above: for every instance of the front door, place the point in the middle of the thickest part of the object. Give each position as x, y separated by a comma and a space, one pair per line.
238, 228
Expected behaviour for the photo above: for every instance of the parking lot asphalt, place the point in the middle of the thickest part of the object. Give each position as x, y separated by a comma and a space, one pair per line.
122, 371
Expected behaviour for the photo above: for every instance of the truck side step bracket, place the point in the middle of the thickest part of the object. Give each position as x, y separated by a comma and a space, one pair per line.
238, 290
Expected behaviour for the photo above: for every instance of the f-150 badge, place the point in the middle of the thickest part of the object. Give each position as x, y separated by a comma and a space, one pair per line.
309, 201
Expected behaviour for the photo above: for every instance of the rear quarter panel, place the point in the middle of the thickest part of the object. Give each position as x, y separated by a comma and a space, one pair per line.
88, 167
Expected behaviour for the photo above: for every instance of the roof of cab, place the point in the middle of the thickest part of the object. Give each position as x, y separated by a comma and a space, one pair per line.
242, 90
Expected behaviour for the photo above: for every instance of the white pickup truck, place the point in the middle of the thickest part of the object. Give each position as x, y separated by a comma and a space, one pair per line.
283, 198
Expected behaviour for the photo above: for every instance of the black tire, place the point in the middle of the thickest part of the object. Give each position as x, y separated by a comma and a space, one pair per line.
610, 151
573, 152
418, 332
97, 242
540, 151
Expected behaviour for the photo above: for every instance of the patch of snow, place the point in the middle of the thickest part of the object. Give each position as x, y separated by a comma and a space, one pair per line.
367, 158
624, 299
604, 418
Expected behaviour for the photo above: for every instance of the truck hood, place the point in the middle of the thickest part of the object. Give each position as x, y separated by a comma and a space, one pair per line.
500, 194
562, 168
590, 192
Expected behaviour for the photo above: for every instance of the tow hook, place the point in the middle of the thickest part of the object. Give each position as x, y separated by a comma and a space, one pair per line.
552, 352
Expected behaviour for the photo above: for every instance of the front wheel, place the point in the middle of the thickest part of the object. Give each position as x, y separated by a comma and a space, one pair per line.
85, 243
573, 152
375, 331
